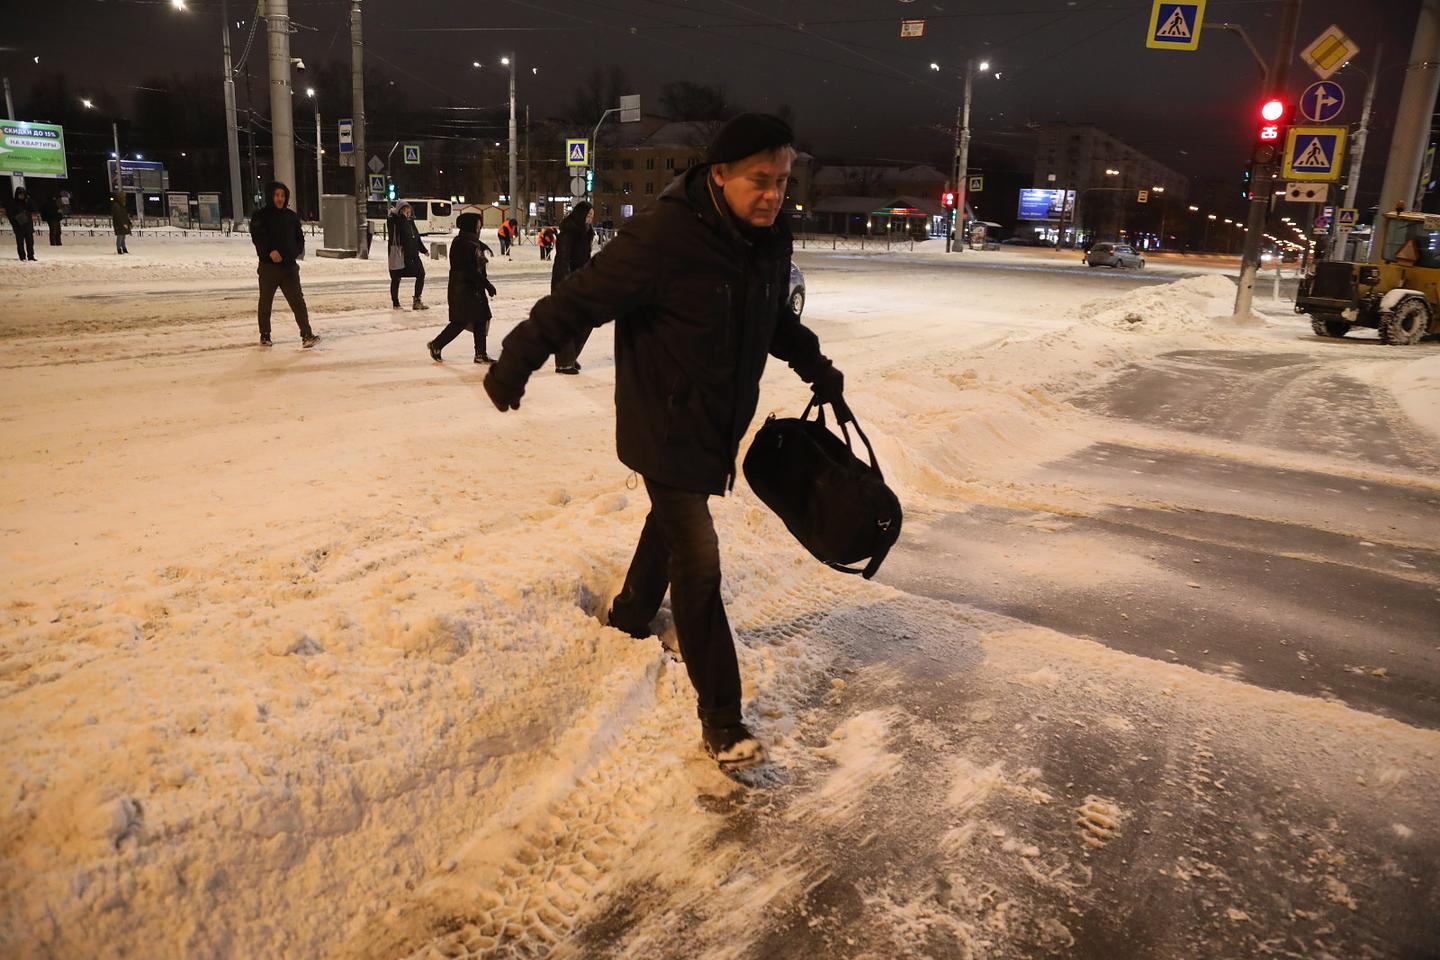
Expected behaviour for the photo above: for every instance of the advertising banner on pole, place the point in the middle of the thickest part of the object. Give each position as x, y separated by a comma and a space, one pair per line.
1045, 204
32, 149
177, 206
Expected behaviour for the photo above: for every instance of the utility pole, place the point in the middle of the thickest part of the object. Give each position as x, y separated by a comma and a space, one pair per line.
962, 161
282, 120
118, 185
1412, 120
15, 181
1357, 155
1263, 183
319, 166
514, 185
357, 108
527, 187
232, 134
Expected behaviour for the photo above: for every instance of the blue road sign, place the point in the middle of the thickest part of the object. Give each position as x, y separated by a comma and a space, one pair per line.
1314, 153
1322, 102
412, 153
377, 184
1175, 24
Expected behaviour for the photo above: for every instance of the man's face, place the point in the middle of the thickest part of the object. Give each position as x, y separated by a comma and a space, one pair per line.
590, 216
277, 197
754, 187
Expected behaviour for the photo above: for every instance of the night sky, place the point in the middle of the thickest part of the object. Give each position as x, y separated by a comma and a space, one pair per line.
857, 90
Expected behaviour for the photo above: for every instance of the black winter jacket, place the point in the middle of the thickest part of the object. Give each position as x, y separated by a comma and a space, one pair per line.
405, 235
20, 210
698, 305
468, 284
572, 250
277, 228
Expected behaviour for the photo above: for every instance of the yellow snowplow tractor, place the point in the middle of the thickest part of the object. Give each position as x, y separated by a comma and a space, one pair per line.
1398, 294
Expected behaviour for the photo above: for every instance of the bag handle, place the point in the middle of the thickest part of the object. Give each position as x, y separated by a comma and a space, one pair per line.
819, 407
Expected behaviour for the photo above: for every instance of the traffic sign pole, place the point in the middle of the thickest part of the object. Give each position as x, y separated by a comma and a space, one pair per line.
1357, 151
1264, 183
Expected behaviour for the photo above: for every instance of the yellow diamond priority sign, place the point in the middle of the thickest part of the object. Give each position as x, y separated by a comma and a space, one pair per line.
1330, 51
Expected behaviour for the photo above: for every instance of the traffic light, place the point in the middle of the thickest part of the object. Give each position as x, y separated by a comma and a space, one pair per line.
1274, 113
947, 199
1247, 180
391, 190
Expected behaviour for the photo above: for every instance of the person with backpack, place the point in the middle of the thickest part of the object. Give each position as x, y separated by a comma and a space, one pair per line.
405, 250
697, 286
572, 251
120, 222
468, 292
280, 243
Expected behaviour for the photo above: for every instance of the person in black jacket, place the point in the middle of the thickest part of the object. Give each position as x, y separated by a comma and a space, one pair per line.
20, 209
405, 250
572, 251
50, 213
280, 244
697, 286
468, 291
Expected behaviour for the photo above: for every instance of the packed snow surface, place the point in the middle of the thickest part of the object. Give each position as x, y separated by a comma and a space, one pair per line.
300, 655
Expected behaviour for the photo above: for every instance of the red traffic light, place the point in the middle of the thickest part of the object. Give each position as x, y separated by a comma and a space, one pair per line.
947, 199
1272, 110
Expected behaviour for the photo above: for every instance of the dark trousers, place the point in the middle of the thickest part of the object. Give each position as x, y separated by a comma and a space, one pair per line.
545, 253
504, 246
120, 246
395, 276
569, 354
54, 233
25, 242
285, 277
457, 324
678, 549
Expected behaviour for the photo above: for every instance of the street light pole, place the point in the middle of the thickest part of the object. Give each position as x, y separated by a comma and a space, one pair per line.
1263, 185
282, 120
1357, 154
319, 164
357, 109
514, 184
232, 134
962, 160
1412, 120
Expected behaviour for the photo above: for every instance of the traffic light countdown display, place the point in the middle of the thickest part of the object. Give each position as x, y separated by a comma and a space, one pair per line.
1269, 138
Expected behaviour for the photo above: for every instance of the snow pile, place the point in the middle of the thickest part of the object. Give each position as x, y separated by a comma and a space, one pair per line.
1189, 304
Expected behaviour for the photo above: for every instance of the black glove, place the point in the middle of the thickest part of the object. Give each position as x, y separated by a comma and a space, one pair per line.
504, 392
491, 288
829, 388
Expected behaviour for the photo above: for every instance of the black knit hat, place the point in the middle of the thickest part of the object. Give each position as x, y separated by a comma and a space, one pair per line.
748, 134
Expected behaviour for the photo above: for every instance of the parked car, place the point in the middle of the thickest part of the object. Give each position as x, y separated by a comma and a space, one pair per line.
797, 290
1114, 255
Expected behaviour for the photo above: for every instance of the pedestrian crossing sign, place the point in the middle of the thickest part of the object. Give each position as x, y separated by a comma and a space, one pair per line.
1314, 153
1345, 218
577, 153
412, 153
1175, 24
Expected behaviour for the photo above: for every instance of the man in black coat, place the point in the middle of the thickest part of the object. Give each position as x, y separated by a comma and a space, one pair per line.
468, 292
50, 213
280, 244
20, 209
572, 251
698, 288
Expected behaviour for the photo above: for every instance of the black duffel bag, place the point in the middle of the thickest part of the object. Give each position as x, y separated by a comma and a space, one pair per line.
834, 503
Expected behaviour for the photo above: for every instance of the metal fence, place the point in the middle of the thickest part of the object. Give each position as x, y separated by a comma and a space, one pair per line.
827, 241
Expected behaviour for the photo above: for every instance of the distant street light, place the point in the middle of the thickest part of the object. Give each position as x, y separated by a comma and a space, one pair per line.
1212, 216
1158, 189
984, 65
178, 4
934, 66
88, 104
1194, 209
475, 63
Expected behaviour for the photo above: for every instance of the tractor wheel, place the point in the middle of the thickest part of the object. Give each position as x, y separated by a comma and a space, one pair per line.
1328, 327
1406, 323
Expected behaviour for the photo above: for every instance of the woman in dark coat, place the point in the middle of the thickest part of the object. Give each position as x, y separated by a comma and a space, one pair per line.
572, 251
467, 291
405, 250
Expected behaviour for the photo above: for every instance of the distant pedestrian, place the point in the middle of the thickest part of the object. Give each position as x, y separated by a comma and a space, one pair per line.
546, 242
20, 210
468, 291
515, 236
502, 233
405, 250
50, 213
572, 251
280, 244
120, 220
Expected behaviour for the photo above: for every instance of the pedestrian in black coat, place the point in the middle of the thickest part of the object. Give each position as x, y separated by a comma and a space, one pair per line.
280, 245
50, 213
405, 250
572, 251
697, 286
120, 221
20, 210
468, 291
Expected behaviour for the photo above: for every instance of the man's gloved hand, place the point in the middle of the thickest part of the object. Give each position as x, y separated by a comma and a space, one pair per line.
504, 392
829, 388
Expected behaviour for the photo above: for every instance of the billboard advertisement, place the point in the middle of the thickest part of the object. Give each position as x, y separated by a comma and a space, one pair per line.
137, 176
207, 211
32, 149
1045, 204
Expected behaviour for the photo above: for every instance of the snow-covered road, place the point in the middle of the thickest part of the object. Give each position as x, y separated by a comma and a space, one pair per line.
298, 657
